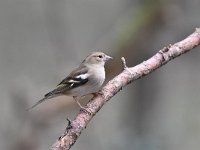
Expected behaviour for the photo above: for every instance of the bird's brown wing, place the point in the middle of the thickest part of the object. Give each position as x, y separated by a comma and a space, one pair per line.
76, 78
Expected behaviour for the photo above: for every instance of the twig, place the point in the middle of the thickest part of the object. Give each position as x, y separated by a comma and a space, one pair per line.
127, 76
124, 63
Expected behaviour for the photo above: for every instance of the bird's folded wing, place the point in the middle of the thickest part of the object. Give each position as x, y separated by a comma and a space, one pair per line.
75, 79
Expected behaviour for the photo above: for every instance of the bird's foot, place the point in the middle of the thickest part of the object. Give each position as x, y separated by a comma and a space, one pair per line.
83, 109
97, 93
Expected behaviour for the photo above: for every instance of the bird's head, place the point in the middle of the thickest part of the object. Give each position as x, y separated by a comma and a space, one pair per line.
97, 58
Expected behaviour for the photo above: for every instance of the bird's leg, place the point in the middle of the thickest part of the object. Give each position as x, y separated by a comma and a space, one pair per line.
77, 102
81, 107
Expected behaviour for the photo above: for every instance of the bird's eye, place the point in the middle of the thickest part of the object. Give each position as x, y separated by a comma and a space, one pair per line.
100, 56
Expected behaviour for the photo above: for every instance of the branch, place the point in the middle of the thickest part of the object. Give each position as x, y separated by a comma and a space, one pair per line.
128, 75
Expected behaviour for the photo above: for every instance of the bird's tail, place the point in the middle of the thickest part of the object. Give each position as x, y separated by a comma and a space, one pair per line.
40, 101
47, 96
56, 92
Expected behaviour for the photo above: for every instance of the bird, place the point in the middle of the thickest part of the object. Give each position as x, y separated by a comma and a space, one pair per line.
86, 79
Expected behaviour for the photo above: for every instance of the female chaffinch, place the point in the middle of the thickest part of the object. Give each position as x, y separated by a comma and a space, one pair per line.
84, 80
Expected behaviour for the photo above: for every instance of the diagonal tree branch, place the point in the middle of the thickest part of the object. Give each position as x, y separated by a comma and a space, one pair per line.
129, 74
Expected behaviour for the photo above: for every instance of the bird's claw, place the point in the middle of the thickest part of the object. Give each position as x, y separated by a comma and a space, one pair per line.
83, 109
97, 93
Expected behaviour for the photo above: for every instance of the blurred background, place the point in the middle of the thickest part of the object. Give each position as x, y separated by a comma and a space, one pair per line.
42, 40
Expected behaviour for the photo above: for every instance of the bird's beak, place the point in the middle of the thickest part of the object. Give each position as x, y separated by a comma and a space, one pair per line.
108, 58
